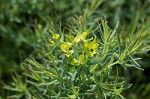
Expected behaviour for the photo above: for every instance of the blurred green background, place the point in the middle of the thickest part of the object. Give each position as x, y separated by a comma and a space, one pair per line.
23, 22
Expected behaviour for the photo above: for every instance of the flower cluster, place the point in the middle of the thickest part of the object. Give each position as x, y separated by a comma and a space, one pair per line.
91, 47
65, 47
84, 47
79, 44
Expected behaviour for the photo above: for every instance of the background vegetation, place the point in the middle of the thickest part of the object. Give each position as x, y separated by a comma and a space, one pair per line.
24, 24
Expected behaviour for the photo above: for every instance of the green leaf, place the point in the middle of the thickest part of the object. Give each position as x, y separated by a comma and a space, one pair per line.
138, 66
74, 76
114, 31
87, 72
49, 83
95, 60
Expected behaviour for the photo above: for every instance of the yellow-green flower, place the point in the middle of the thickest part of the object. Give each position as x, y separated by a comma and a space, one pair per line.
91, 53
68, 53
70, 38
56, 36
91, 47
94, 44
84, 35
74, 61
80, 36
65, 48
82, 59
77, 38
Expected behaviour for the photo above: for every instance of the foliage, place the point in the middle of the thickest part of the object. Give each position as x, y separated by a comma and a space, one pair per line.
79, 64
83, 58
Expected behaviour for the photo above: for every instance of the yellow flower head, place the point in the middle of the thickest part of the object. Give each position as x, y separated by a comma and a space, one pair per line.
77, 38
90, 47
80, 36
56, 36
84, 35
94, 44
75, 61
68, 53
65, 48
80, 60
91, 53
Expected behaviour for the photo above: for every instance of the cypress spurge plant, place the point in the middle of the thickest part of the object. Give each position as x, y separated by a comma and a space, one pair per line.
82, 62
